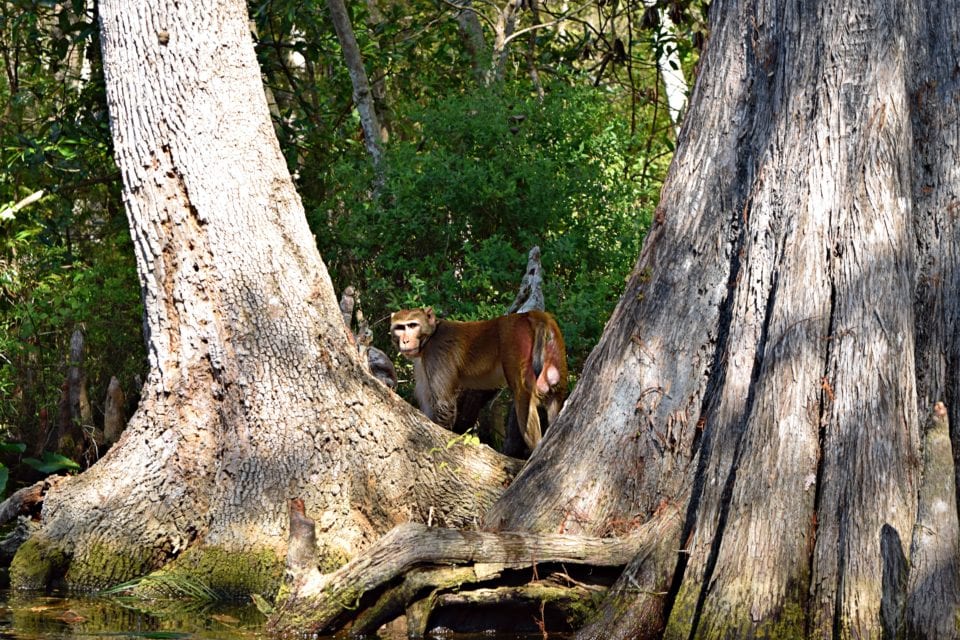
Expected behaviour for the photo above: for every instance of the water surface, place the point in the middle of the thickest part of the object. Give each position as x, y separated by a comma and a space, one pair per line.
26, 616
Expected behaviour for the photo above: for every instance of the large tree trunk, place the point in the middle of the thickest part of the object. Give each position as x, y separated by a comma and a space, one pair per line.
254, 395
789, 328
781, 371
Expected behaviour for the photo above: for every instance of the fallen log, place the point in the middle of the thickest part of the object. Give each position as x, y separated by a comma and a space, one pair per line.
418, 571
27, 499
25, 503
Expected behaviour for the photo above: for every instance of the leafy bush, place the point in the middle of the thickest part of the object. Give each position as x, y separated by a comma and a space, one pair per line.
475, 181
48, 291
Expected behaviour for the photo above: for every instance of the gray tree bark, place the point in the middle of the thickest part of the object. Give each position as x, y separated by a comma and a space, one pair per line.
254, 395
934, 582
792, 321
668, 63
780, 367
76, 414
363, 97
114, 413
472, 32
503, 30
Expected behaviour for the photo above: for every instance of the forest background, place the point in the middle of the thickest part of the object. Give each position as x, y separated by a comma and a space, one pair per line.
556, 136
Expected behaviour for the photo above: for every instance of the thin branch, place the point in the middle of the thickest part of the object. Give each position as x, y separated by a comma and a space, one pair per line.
8, 213
562, 18
461, 9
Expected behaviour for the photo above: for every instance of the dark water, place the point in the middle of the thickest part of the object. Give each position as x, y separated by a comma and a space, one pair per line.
44, 617
28, 616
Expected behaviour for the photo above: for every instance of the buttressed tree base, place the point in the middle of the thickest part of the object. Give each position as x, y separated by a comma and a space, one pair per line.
760, 417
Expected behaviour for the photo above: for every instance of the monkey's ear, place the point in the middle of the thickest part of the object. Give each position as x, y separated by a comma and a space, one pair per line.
431, 317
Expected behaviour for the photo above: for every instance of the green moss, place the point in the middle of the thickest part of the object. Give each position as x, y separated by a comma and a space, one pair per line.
579, 611
331, 558
36, 564
790, 624
216, 573
206, 573
681, 615
99, 566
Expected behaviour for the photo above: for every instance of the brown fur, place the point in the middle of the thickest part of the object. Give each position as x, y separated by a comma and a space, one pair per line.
524, 351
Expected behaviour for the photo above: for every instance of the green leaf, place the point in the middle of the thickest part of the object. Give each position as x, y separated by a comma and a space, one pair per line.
12, 447
51, 463
4, 476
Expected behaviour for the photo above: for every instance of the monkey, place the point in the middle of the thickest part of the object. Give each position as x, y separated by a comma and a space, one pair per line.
523, 351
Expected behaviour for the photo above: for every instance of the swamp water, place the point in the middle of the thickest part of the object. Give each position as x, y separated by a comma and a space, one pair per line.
27, 616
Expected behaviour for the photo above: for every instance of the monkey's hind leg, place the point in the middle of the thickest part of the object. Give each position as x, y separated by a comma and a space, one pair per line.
533, 432
528, 419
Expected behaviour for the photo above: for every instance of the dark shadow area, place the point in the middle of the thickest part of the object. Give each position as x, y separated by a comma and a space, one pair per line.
894, 595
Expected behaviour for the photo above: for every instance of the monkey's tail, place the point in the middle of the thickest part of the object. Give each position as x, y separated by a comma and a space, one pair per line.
539, 343
544, 370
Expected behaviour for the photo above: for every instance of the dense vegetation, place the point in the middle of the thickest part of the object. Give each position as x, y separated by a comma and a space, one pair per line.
66, 260
476, 170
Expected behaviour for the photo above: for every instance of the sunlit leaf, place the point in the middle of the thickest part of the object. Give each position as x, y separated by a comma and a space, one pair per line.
52, 463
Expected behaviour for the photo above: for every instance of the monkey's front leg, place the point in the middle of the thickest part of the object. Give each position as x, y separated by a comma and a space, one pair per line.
444, 409
437, 401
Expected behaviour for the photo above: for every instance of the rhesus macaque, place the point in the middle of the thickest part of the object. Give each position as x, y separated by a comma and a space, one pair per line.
523, 351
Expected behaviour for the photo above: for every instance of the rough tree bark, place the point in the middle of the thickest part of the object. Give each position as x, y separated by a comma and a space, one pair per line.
76, 414
378, 81
783, 374
254, 395
503, 30
792, 322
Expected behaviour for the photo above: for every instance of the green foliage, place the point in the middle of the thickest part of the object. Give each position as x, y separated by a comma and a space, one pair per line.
51, 463
46, 292
8, 447
415, 45
488, 175
66, 260
476, 174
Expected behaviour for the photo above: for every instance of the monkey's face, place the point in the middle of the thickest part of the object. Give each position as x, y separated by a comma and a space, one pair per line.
410, 329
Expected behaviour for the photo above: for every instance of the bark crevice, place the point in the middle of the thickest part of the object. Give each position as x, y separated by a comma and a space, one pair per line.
726, 495
701, 444
825, 402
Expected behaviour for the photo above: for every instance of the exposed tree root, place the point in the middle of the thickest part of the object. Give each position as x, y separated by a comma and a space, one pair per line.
460, 579
932, 592
637, 605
